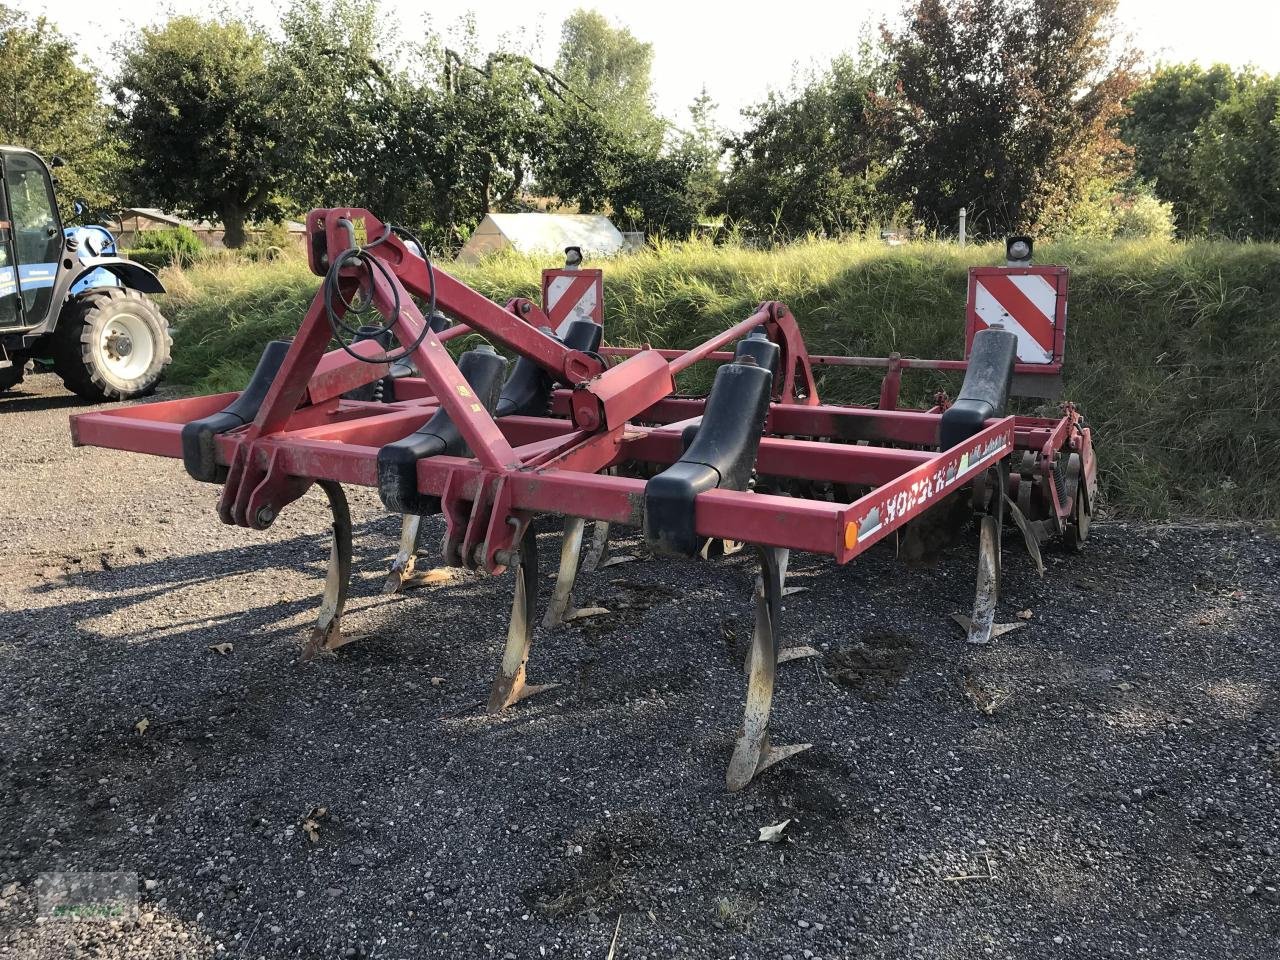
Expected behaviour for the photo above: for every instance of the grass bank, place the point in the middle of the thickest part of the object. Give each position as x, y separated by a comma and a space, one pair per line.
1173, 349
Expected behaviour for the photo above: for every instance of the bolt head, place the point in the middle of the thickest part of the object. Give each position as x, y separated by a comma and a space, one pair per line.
265, 516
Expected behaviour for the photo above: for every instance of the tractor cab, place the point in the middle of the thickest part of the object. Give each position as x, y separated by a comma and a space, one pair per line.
67, 301
30, 239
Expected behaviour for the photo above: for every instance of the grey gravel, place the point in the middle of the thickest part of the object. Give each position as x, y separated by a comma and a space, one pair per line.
1104, 782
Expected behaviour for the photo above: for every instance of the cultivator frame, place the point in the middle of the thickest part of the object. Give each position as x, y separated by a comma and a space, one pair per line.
603, 435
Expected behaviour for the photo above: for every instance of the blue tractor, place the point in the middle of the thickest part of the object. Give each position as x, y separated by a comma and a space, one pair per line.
67, 301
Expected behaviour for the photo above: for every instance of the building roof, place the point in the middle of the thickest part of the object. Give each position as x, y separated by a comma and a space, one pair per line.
169, 219
542, 233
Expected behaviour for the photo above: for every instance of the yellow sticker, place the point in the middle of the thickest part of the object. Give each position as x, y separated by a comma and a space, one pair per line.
850, 535
463, 391
360, 230
476, 408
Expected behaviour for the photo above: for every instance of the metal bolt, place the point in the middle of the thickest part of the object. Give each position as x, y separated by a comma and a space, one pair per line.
265, 516
526, 307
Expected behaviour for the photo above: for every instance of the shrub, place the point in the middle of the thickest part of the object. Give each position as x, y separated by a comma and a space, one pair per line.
171, 245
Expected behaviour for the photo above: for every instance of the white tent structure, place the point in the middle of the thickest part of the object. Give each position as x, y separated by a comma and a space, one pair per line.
541, 233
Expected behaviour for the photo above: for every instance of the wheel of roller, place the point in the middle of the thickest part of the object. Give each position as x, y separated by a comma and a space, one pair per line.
1081, 516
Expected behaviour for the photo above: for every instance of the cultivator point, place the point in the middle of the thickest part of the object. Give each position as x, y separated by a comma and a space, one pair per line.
594, 433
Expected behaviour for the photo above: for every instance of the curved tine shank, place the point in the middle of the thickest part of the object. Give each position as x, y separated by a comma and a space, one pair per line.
599, 544
562, 595
783, 654
327, 635
1028, 532
982, 626
752, 753
402, 567
509, 685
597, 555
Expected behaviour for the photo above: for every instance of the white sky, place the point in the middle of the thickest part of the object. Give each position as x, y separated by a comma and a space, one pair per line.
738, 50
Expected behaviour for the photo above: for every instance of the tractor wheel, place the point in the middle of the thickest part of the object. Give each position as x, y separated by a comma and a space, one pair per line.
111, 345
12, 375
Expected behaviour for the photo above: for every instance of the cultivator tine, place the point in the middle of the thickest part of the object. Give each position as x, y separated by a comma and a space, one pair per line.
327, 634
1028, 534
597, 555
510, 685
404, 573
714, 547
402, 567
785, 654
561, 608
753, 752
981, 627
562, 595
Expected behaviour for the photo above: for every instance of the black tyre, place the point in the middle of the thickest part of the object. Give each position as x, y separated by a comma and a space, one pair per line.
111, 345
12, 375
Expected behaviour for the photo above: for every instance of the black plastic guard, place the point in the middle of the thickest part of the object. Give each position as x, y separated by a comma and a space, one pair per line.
721, 456
985, 391
398, 461
199, 451
759, 348
527, 391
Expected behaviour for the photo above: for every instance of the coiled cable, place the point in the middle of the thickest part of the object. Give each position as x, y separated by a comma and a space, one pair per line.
361, 256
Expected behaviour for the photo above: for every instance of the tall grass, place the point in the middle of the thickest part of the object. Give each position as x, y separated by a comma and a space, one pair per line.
1173, 349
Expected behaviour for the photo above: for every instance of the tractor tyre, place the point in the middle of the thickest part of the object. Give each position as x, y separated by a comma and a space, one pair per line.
111, 345
12, 375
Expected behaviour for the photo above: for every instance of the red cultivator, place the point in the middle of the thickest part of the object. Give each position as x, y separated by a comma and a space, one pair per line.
597, 433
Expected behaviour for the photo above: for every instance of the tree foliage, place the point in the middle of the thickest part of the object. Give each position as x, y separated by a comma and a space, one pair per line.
204, 118
609, 69
51, 105
1163, 126
1005, 107
811, 162
1236, 162
328, 67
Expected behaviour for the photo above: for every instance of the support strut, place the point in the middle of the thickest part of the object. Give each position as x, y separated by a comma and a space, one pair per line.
753, 752
327, 635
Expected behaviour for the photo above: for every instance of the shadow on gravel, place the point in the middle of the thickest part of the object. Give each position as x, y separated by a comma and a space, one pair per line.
21, 401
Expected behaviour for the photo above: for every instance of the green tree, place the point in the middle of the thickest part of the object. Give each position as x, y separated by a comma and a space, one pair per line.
204, 117
609, 68
583, 155
460, 134
654, 193
329, 68
810, 161
704, 144
52, 106
1005, 107
1236, 160
1163, 124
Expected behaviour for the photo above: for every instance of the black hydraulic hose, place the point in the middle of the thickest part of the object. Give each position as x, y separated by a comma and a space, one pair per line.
370, 263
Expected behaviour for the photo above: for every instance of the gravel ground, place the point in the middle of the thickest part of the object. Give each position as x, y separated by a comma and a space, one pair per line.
1104, 782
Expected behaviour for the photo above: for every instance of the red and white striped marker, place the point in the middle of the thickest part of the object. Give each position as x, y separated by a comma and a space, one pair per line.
1030, 302
573, 295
